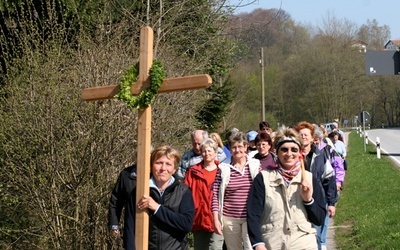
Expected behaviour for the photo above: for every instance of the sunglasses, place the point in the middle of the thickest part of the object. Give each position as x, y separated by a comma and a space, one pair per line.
285, 150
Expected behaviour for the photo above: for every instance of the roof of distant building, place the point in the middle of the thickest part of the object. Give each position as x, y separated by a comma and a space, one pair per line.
395, 42
358, 42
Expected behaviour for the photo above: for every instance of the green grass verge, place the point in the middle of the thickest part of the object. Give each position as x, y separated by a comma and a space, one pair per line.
368, 211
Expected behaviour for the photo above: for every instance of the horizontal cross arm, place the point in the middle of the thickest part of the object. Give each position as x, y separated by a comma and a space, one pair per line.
168, 85
100, 92
177, 84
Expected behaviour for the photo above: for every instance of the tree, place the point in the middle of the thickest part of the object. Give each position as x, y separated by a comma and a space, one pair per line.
314, 74
259, 28
60, 155
374, 35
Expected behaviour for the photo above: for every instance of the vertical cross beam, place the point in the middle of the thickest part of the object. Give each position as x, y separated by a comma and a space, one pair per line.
144, 141
144, 122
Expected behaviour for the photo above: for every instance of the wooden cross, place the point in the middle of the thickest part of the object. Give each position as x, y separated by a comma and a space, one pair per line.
144, 121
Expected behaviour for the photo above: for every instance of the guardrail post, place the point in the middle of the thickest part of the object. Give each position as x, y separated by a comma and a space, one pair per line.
378, 148
366, 138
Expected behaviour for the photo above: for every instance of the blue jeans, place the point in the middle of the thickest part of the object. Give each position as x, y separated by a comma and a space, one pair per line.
321, 232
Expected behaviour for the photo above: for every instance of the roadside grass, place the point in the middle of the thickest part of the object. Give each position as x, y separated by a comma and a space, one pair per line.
368, 211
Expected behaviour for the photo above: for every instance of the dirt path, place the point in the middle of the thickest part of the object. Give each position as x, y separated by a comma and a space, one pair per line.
330, 237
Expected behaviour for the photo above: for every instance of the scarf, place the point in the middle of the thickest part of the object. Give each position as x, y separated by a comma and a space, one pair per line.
287, 174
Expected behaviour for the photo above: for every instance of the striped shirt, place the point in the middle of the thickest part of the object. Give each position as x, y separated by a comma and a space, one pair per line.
237, 190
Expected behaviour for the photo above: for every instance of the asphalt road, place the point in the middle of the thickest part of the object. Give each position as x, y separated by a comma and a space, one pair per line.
389, 142
390, 146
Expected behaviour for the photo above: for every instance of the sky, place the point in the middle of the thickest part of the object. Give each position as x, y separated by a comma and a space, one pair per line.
313, 11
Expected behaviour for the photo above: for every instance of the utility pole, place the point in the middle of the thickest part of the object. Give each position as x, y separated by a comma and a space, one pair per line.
262, 86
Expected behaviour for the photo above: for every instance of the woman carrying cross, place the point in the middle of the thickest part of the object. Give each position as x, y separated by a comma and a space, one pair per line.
170, 203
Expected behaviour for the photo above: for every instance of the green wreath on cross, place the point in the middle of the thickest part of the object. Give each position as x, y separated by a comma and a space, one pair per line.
147, 96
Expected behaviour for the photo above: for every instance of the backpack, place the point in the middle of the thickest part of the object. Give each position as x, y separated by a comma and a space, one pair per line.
330, 153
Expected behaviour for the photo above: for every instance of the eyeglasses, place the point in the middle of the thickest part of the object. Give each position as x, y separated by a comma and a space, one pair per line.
262, 144
237, 147
285, 150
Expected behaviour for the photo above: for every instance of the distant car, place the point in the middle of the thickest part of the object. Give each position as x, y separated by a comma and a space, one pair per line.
329, 127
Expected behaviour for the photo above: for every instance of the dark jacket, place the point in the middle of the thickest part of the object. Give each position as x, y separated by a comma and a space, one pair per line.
317, 163
171, 223
120, 198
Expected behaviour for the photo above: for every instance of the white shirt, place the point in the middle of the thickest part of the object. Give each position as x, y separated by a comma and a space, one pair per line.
340, 148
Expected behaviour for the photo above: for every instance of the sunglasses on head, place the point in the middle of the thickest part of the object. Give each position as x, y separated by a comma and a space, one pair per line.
285, 150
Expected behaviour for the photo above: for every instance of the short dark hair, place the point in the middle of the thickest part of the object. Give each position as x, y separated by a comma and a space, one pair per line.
263, 136
332, 134
263, 124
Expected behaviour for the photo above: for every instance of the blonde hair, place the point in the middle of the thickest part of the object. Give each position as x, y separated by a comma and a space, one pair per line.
324, 131
272, 135
217, 139
284, 134
167, 151
209, 143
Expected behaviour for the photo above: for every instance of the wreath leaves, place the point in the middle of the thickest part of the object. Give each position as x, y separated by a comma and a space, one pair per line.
147, 96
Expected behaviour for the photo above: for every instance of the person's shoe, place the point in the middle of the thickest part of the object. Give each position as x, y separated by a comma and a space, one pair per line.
323, 247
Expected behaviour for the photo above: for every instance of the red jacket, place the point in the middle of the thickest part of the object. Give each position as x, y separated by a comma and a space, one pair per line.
202, 196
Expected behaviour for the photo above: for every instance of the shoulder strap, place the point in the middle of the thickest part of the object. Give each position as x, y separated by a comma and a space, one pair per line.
331, 152
327, 151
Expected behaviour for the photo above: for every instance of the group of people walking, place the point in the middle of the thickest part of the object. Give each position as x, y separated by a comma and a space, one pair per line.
262, 189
